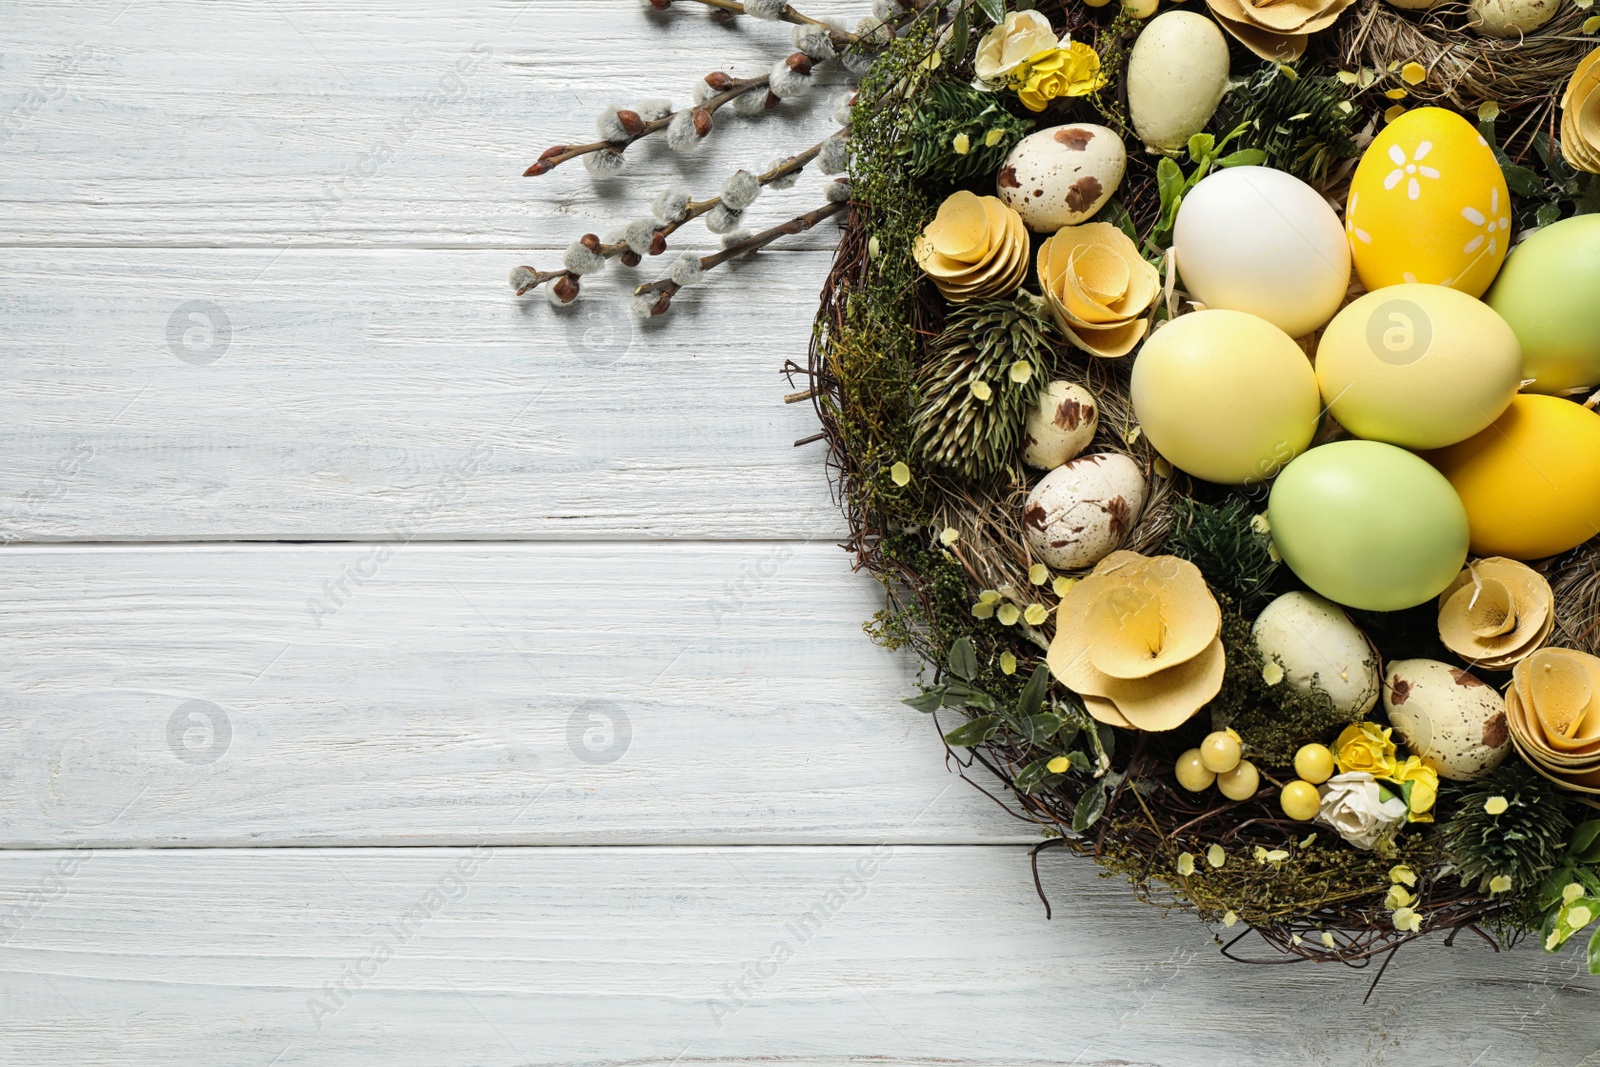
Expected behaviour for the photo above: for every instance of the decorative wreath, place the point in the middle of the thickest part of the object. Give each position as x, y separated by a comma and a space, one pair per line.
1210, 391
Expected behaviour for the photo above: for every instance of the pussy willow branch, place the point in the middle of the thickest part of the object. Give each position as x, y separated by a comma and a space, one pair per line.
697, 208
666, 288
790, 15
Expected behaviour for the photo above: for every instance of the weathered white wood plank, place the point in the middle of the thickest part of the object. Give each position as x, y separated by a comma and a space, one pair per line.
392, 694
513, 957
203, 394
133, 122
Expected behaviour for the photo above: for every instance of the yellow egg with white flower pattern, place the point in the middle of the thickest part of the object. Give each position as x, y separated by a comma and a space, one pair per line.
1429, 204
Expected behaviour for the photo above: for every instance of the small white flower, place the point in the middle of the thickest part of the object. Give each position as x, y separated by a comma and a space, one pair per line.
687, 270
786, 82
521, 277
1353, 807
672, 205
605, 163
887, 9
1409, 170
1495, 225
579, 260
721, 220
1350, 222
767, 10
873, 30
740, 190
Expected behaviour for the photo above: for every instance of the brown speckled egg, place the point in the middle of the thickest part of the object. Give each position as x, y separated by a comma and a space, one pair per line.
1083, 510
1062, 176
1446, 716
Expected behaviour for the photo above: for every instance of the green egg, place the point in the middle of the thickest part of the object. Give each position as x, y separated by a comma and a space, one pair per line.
1549, 291
1368, 525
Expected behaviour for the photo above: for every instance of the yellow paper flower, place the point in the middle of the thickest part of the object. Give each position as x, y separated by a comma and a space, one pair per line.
1057, 72
1007, 47
1365, 747
1424, 787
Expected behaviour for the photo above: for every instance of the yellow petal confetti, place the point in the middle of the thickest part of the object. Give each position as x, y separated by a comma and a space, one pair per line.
1021, 371
983, 611
1398, 898
1393, 113
1488, 111
1496, 805
1259, 523
1552, 942
1347, 77
1395, 94
1327, 940
1185, 864
1500, 883
1572, 892
874, 247
1133, 435
1402, 875
1163, 468
1008, 614
1413, 73
1579, 917
1260, 854
1297, 939
1272, 673
900, 474
993, 137
1036, 614
1393, 66
1591, 24
982, 391
1061, 586
949, 536
1038, 574
989, 596
1229, 919
1277, 855
1008, 663
1311, 837
1406, 919
933, 61
1216, 856
962, 144
1058, 765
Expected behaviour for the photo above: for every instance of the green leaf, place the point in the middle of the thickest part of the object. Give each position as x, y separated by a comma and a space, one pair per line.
1547, 214
1245, 157
959, 36
995, 9
1034, 775
1033, 693
929, 700
957, 695
1108, 739
1090, 807
1523, 181
1552, 884
1552, 920
1079, 761
1594, 952
963, 661
1585, 843
1169, 181
973, 732
1042, 727
1202, 145
1588, 879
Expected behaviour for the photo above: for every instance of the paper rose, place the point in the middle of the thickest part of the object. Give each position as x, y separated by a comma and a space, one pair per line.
1070, 71
976, 248
1496, 612
1098, 287
1140, 640
1580, 116
1553, 712
1419, 788
1365, 747
1276, 29
1004, 49
1354, 806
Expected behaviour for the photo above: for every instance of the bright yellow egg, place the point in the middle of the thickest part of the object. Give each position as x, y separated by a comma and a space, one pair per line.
1429, 204
1531, 481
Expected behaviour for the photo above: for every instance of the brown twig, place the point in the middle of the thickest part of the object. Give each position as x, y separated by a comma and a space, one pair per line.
789, 15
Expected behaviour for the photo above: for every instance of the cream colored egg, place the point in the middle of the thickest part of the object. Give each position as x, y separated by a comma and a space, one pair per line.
1511, 18
1082, 511
1177, 73
1060, 425
1319, 648
1259, 240
1062, 176
1428, 203
1448, 718
1419, 366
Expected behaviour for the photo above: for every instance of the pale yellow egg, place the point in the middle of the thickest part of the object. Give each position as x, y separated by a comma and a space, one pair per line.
1428, 203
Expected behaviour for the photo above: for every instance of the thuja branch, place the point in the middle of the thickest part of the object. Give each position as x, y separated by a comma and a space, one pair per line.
656, 297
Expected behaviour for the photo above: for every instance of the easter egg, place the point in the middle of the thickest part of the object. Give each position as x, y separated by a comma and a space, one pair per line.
1225, 396
1549, 291
1420, 366
1062, 176
1177, 73
1368, 525
1530, 482
1428, 203
1259, 240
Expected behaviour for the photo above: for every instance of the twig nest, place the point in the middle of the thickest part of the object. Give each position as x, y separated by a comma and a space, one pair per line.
1496, 612
1276, 29
1083, 510
1415, 5
1553, 710
1177, 73
976, 248
1060, 425
1062, 176
1098, 287
1511, 18
1580, 116
1316, 646
1449, 719
1140, 640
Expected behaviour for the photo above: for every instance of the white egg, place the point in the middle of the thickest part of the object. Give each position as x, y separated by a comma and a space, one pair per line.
1258, 240
1060, 426
1177, 73
1453, 722
1062, 176
1318, 647
1082, 511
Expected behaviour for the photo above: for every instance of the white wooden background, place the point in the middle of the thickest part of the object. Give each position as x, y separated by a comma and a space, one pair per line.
298, 645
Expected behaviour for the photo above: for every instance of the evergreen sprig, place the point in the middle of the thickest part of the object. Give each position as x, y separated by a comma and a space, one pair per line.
1304, 123
958, 133
1222, 540
1521, 843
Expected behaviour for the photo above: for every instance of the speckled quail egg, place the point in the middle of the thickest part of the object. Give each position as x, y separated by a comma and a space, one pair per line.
1062, 176
1060, 425
1082, 511
1455, 723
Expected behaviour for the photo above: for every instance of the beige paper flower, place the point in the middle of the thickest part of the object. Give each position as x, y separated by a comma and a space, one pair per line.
976, 248
1098, 287
1276, 29
1140, 640
1580, 116
1496, 612
1553, 712
1008, 46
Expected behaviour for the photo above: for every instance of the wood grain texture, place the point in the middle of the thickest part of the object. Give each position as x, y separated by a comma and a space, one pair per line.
889, 954
405, 124
337, 395
393, 694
